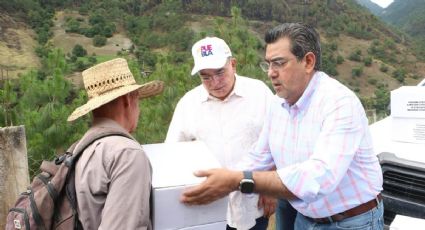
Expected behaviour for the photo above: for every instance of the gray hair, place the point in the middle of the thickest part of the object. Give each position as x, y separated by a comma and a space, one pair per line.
303, 39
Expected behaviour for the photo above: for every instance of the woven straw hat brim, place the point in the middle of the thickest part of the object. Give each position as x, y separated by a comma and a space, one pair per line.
146, 90
151, 88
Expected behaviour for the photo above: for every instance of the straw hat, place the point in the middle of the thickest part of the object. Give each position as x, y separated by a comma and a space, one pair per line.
109, 80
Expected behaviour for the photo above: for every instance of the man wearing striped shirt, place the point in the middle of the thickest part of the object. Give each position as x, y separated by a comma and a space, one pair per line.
316, 135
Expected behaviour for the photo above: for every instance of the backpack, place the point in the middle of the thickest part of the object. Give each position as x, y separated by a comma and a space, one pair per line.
50, 201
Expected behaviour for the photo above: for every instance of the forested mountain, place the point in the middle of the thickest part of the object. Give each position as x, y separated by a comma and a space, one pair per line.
373, 7
155, 36
409, 15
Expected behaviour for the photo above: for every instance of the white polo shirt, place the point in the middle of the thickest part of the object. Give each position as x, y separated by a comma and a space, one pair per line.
229, 127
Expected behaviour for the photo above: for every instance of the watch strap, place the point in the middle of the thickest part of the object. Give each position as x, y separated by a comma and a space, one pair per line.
247, 175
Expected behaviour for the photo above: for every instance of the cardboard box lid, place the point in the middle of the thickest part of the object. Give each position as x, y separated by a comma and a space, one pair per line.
173, 164
408, 101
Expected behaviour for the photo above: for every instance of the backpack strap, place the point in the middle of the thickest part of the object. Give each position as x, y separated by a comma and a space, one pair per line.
78, 147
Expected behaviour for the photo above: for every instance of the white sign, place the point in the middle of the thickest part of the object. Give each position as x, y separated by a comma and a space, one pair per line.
408, 101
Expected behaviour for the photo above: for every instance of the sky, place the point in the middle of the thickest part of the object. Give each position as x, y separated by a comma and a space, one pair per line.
383, 3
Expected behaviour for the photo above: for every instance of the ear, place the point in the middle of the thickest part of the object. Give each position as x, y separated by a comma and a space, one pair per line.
310, 62
126, 100
233, 63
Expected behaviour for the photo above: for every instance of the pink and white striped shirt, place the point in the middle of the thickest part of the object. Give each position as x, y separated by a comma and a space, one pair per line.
322, 149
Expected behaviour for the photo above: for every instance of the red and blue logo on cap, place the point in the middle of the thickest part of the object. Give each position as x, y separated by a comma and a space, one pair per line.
206, 50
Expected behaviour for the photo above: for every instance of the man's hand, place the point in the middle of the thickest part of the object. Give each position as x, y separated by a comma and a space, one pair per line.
268, 204
219, 183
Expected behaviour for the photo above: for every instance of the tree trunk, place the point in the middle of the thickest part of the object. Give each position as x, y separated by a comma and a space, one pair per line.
14, 177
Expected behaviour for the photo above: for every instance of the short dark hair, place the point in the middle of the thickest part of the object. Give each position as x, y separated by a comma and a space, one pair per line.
303, 39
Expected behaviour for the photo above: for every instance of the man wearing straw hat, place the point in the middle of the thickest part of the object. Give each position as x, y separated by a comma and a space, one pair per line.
113, 175
226, 112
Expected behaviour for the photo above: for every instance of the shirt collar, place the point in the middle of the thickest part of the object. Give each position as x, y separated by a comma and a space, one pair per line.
306, 96
238, 90
102, 123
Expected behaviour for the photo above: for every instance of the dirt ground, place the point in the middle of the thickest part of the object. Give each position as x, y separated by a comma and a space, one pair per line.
17, 45
66, 41
119, 41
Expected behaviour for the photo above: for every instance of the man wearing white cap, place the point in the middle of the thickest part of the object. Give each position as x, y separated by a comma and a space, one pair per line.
226, 112
113, 175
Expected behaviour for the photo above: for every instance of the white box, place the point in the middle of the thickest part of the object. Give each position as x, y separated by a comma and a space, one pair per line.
408, 101
406, 223
411, 130
213, 226
173, 165
408, 114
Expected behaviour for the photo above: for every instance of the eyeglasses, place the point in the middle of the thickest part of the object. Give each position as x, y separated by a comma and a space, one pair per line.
219, 74
274, 65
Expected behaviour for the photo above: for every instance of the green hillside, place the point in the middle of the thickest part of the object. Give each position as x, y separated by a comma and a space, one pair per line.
156, 36
373, 7
406, 14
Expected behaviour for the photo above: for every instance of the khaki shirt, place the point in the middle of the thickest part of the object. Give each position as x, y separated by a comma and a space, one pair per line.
113, 183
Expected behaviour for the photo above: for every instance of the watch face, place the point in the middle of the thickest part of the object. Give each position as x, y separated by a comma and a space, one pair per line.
247, 186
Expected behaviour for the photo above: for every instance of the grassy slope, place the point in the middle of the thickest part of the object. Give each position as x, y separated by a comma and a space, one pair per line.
67, 41
17, 46
21, 59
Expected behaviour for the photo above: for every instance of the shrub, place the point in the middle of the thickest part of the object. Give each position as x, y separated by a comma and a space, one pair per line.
108, 30
79, 51
357, 71
415, 76
383, 68
367, 61
97, 19
333, 46
99, 40
83, 10
79, 65
372, 81
399, 74
88, 32
92, 59
329, 65
356, 56
73, 26
339, 59
73, 58
382, 99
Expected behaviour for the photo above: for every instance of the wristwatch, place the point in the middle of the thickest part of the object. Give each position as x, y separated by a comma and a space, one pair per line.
247, 183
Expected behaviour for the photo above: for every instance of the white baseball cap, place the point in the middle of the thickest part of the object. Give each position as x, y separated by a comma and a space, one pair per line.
210, 53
